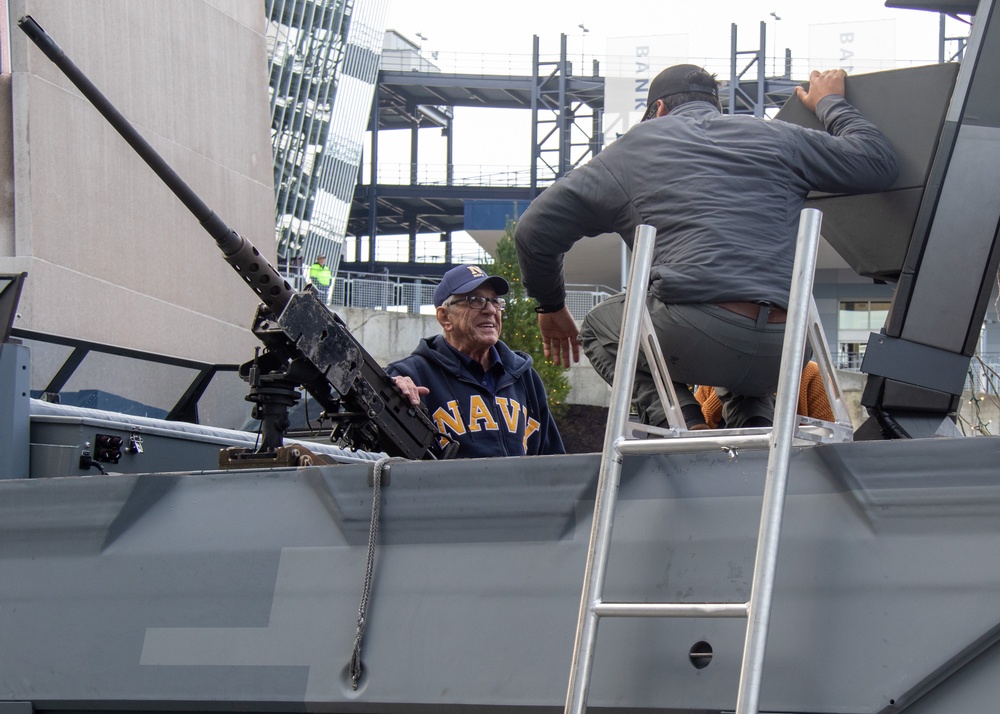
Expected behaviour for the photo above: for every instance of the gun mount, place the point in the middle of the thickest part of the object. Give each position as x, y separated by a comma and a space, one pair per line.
306, 345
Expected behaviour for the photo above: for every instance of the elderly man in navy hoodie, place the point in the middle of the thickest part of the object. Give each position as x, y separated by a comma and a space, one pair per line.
478, 391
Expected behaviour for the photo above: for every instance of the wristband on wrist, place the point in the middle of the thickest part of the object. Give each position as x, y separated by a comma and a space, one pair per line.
544, 309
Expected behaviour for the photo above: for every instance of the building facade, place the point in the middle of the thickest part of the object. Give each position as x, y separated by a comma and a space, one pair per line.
323, 64
111, 255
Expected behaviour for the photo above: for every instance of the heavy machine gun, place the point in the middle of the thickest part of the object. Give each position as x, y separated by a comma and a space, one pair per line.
306, 345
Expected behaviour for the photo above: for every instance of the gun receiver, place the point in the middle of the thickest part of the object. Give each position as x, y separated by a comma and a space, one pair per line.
305, 343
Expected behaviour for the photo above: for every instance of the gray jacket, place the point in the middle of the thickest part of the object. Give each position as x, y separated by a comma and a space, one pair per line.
723, 192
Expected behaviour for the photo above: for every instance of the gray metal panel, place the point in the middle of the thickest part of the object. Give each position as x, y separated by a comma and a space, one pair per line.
950, 278
907, 105
972, 688
951, 263
15, 383
57, 444
872, 232
958, 213
966, 7
240, 590
16, 708
953, 251
913, 363
61, 433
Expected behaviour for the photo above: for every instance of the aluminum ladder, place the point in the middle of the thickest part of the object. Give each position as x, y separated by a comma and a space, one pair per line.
636, 332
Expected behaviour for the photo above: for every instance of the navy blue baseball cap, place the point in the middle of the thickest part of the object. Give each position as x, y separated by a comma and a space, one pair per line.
465, 279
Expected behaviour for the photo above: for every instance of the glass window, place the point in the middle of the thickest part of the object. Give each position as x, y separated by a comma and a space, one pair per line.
856, 320
863, 314
878, 311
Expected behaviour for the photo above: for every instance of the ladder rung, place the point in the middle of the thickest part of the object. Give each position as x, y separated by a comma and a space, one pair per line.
670, 609
690, 444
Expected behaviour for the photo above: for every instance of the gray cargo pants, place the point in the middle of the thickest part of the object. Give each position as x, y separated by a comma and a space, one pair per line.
702, 344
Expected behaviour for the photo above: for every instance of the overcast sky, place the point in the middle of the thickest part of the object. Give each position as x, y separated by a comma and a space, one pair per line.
508, 25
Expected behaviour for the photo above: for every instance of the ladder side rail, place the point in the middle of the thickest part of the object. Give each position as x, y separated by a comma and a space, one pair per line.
783, 431
661, 375
821, 353
610, 472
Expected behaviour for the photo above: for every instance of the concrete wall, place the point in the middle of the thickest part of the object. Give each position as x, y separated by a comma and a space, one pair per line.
388, 336
111, 253
6, 172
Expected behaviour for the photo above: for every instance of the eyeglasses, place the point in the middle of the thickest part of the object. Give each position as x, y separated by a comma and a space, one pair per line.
478, 302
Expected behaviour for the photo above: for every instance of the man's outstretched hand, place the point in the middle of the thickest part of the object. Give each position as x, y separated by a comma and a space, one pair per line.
559, 333
821, 84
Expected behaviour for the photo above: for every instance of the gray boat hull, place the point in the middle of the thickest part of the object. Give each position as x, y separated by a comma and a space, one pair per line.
239, 591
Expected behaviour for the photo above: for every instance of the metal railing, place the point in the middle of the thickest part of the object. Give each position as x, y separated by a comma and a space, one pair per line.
581, 63
580, 302
429, 250
389, 293
984, 373
399, 293
488, 175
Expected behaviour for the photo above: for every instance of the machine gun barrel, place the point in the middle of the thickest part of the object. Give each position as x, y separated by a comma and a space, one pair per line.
272, 289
